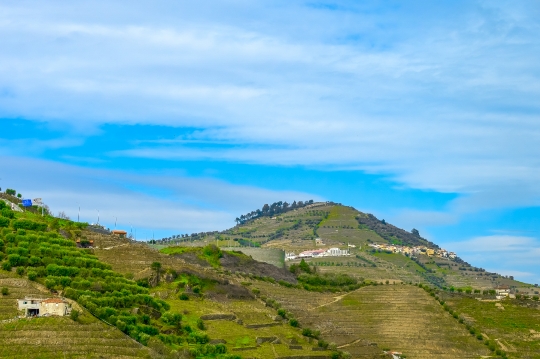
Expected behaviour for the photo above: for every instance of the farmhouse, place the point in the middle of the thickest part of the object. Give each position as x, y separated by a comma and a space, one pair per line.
30, 306
502, 291
312, 253
120, 233
38, 307
336, 252
85, 243
290, 256
53, 306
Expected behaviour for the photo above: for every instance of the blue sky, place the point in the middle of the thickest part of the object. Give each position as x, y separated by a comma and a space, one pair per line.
176, 117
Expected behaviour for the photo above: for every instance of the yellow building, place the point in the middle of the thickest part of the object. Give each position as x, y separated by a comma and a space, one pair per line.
430, 252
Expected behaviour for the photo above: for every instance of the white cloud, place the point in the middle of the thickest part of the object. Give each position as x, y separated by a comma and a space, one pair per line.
505, 254
434, 104
160, 203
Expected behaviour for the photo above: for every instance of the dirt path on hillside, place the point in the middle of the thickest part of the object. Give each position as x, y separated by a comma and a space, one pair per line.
349, 344
336, 299
120, 245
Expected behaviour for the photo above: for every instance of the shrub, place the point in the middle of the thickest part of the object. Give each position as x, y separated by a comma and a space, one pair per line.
293, 323
183, 296
121, 325
20, 270
200, 324
29, 225
5, 291
32, 275
172, 319
4, 222
74, 315
7, 213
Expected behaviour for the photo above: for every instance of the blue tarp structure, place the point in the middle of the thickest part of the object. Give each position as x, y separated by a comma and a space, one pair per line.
27, 202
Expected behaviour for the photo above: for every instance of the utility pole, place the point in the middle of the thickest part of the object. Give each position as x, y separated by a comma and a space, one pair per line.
115, 220
79, 214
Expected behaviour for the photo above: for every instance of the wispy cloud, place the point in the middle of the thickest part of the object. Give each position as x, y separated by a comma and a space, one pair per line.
434, 96
506, 254
162, 203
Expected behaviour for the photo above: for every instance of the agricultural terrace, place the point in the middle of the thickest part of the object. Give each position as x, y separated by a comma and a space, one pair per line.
509, 326
237, 322
61, 337
294, 225
198, 290
393, 317
54, 261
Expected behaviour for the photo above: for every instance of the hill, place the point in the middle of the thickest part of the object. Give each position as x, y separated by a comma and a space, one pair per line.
344, 227
198, 299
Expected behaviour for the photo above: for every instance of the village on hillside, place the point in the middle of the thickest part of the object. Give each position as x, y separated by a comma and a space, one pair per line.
337, 252
411, 251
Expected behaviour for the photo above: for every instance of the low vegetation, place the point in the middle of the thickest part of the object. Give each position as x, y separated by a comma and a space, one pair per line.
206, 301
54, 261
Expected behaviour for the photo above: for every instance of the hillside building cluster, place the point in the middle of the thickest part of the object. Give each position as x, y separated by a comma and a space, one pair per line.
318, 253
411, 251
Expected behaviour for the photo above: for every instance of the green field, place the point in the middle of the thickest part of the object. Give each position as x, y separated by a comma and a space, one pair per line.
511, 326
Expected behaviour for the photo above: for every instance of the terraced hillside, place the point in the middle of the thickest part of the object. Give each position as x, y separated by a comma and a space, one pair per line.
212, 303
396, 317
57, 337
246, 326
340, 226
129, 257
60, 337
17, 288
509, 325
237, 322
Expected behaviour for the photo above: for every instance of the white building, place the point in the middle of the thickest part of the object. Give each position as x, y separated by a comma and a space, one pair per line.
30, 306
37, 307
290, 256
502, 291
336, 252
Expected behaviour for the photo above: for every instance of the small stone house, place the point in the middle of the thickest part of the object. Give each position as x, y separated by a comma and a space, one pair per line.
38, 307
30, 306
53, 306
502, 291
119, 233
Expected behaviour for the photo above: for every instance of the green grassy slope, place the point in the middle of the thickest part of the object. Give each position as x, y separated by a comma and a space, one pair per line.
510, 326
213, 298
197, 284
394, 317
56, 337
339, 226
